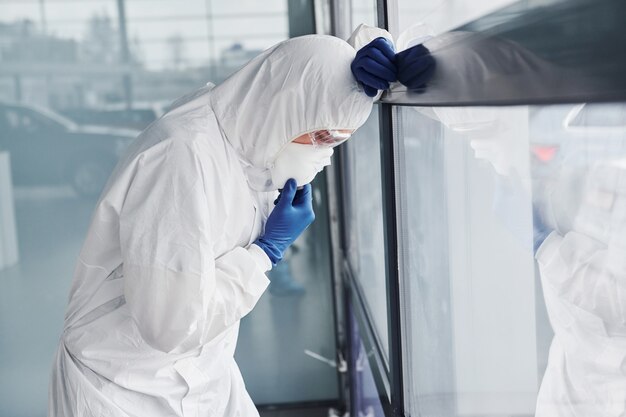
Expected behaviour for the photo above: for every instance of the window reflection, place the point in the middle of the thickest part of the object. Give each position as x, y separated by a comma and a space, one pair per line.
444, 15
366, 234
364, 11
515, 235
366, 400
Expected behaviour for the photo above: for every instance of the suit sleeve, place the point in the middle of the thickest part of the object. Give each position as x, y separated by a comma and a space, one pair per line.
585, 296
180, 295
364, 34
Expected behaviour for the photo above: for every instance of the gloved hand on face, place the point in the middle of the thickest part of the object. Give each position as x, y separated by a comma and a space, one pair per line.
291, 216
374, 66
295, 166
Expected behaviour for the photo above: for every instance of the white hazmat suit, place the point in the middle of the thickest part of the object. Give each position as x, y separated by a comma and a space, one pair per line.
583, 274
168, 267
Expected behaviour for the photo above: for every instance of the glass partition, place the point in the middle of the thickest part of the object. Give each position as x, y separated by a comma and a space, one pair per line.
442, 16
366, 248
364, 11
290, 332
365, 395
511, 217
513, 259
514, 53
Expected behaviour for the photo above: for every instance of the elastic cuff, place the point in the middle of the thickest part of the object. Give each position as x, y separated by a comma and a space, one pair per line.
548, 248
364, 34
260, 257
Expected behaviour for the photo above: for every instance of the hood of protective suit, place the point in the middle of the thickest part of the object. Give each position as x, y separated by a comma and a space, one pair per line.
298, 86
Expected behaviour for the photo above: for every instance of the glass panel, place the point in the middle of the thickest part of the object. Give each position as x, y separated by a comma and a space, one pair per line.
290, 332
365, 395
535, 51
62, 71
365, 220
515, 221
323, 16
442, 16
364, 11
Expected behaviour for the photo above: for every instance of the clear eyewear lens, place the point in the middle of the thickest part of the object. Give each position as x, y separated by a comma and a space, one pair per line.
329, 137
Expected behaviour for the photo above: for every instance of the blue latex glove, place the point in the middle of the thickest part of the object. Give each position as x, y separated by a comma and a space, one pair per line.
415, 67
374, 66
291, 216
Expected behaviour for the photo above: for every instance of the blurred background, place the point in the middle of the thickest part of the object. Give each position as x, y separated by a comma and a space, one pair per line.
68, 66
89, 59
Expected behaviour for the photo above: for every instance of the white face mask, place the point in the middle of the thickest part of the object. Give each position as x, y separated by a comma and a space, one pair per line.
300, 162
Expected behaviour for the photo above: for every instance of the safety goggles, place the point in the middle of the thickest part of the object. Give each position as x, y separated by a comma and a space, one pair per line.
329, 138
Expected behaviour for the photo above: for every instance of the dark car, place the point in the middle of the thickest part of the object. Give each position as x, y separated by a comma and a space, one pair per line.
49, 149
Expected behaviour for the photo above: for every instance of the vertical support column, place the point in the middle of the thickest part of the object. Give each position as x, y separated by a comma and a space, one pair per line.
9, 255
17, 83
392, 259
341, 11
208, 5
338, 286
340, 27
42, 17
301, 15
125, 54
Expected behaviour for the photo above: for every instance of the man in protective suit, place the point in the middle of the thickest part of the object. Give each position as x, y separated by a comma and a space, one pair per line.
186, 228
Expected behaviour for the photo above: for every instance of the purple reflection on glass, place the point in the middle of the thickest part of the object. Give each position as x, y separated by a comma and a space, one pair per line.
365, 396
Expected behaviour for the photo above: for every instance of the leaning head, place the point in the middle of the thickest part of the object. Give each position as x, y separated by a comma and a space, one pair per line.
299, 92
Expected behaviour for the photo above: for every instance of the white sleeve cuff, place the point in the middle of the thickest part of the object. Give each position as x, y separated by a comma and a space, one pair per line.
364, 34
261, 258
548, 248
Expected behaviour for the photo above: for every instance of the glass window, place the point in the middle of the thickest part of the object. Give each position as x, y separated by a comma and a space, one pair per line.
365, 221
365, 395
323, 16
290, 332
66, 58
514, 247
364, 11
442, 16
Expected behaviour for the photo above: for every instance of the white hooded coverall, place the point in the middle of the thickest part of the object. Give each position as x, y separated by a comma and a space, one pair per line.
583, 273
168, 267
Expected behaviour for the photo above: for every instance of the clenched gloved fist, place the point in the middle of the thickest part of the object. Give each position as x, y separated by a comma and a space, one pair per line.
374, 66
291, 216
415, 67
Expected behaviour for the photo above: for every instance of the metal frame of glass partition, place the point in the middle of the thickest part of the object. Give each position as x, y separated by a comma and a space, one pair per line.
387, 374
392, 261
520, 21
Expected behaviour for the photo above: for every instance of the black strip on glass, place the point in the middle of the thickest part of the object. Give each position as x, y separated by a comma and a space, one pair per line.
297, 405
392, 261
